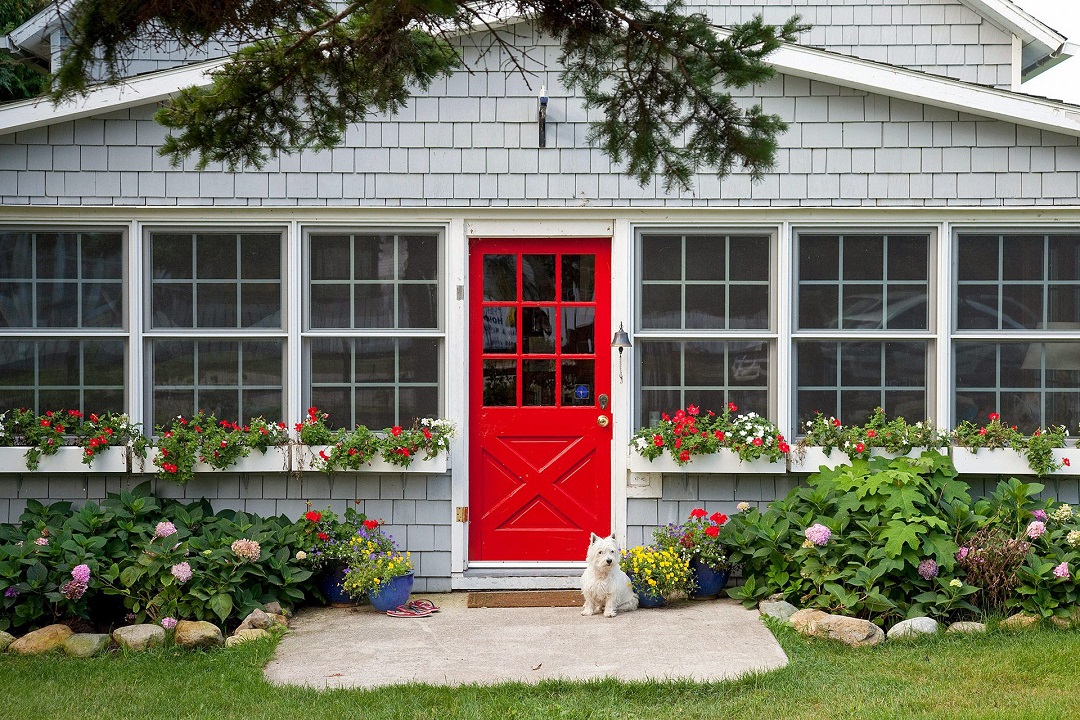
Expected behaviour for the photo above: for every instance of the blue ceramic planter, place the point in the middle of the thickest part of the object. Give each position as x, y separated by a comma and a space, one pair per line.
331, 585
707, 582
394, 592
650, 601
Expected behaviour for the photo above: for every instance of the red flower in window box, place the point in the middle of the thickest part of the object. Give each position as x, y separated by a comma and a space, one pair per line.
698, 513
313, 515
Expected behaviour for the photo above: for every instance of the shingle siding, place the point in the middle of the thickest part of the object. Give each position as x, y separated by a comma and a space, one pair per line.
843, 138
943, 37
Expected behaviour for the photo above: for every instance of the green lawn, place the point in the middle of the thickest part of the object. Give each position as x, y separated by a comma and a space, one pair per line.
1028, 675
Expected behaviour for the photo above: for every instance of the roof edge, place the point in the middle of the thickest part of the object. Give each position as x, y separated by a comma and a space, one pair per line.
789, 59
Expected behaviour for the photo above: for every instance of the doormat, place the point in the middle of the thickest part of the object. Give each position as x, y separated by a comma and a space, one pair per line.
526, 598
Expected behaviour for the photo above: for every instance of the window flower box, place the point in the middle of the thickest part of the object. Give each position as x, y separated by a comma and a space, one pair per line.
812, 458
724, 462
1007, 461
277, 459
306, 458
68, 459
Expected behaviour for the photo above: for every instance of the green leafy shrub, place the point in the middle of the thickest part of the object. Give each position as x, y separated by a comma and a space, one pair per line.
867, 539
148, 559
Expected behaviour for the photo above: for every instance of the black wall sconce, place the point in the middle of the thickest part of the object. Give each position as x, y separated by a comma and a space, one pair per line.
542, 115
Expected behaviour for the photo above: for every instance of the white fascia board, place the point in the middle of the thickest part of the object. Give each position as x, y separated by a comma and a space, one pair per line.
922, 88
33, 35
142, 90
1012, 18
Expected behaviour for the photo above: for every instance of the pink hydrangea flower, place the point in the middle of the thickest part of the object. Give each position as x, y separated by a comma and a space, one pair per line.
818, 534
928, 569
1036, 529
168, 623
1039, 515
1062, 570
182, 572
73, 589
962, 553
42, 541
81, 573
245, 549
164, 529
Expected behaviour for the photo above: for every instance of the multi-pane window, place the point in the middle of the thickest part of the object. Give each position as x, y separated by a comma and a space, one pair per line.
214, 316
862, 327
1017, 319
373, 335
704, 321
62, 320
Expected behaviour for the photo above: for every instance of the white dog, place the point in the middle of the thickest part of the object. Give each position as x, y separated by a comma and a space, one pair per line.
605, 586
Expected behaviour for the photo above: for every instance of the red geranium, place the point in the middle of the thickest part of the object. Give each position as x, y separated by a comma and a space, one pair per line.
712, 531
698, 513
718, 518
323, 536
371, 524
313, 515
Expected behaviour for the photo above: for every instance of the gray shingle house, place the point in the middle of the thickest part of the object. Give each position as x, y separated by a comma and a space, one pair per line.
917, 246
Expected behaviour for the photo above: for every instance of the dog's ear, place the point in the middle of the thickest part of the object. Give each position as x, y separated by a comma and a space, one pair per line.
593, 537
612, 537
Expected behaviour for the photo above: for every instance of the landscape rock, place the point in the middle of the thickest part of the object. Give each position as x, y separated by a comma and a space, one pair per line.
5, 640
40, 641
1019, 621
198, 634
1064, 622
850, 631
273, 608
242, 636
782, 610
776, 597
913, 627
805, 621
84, 645
257, 619
139, 637
280, 620
967, 626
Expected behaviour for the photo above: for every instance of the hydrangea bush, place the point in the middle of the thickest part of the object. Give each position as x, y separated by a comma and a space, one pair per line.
887, 540
135, 557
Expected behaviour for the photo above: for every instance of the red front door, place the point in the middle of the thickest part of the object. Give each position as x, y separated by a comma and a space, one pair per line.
540, 458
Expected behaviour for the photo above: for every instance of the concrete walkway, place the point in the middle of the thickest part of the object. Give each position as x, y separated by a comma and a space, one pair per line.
358, 647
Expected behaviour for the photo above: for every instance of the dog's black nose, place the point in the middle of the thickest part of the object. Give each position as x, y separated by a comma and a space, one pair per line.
609, 561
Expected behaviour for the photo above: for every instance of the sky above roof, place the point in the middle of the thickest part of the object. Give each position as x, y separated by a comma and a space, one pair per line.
1058, 82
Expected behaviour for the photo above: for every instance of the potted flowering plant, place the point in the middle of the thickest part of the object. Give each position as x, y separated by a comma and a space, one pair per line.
734, 443
1041, 453
698, 540
50, 436
327, 547
378, 570
877, 436
656, 573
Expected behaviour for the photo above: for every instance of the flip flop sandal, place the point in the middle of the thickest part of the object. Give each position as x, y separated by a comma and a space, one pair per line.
424, 606
408, 612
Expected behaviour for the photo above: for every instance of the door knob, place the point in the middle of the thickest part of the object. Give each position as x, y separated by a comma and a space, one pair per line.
603, 421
